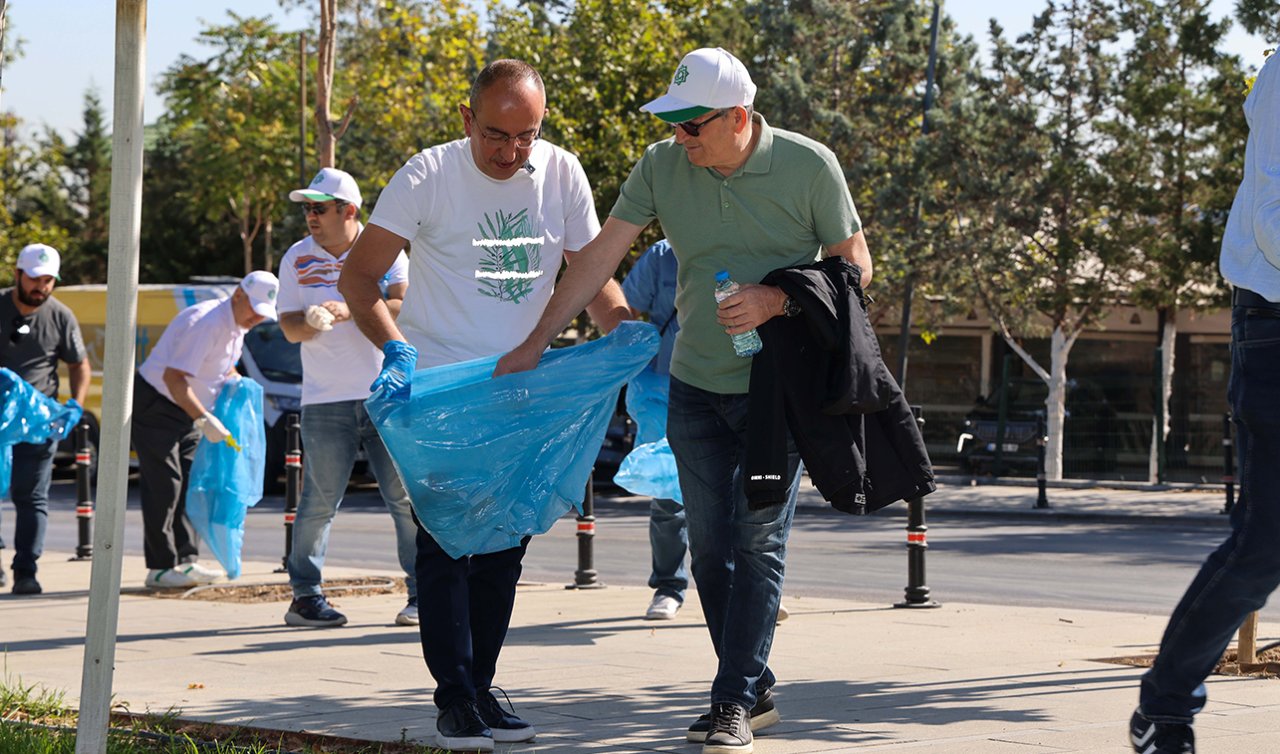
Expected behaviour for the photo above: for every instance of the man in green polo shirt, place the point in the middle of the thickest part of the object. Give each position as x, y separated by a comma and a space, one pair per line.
731, 193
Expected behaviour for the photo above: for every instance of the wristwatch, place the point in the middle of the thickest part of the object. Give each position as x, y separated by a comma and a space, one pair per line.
790, 308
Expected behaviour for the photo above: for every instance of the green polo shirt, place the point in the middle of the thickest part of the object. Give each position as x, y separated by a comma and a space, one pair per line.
779, 209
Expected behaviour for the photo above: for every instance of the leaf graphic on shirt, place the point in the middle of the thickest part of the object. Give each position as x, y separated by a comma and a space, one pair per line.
502, 258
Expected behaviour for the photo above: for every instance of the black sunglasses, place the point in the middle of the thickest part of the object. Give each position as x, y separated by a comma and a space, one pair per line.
319, 208
20, 328
692, 128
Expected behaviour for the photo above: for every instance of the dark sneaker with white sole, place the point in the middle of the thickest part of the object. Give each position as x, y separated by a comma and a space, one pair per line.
503, 723
313, 611
460, 727
730, 731
1150, 737
763, 715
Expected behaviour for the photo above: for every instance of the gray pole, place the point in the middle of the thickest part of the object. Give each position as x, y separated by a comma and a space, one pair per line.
904, 337
302, 109
117, 381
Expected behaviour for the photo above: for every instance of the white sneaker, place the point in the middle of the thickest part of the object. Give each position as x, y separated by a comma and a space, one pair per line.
199, 573
408, 615
783, 613
168, 578
663, 607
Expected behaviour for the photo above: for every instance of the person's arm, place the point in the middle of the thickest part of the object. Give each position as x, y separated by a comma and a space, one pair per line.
176, 381
609, 307
366, 263
295, 328
581, 285
755, 304
395, 297
79, 374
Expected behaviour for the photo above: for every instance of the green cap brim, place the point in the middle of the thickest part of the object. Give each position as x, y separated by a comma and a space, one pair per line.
316, 196
680, 116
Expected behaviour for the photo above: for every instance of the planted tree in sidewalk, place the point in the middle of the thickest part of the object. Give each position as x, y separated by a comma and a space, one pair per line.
231, 113
1038, 229
1177, 137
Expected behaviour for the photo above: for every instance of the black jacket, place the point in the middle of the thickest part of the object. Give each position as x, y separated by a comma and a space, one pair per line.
820, 376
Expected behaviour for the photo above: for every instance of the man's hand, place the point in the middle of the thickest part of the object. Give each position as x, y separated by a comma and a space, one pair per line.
750, 307
398, 362
211, 428
338, 309
320, 318
523, 358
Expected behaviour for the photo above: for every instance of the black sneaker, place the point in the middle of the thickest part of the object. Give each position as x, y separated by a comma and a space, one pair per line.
1150, 737
763, 715
3, 579
730, 731
506, 727
460, 727
25, 584
313, 611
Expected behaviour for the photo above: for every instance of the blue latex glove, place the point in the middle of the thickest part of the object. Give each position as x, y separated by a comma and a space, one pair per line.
399, 361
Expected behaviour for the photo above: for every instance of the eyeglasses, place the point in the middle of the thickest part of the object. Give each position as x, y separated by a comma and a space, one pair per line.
319, 208
499, 139
693, 129
20, 328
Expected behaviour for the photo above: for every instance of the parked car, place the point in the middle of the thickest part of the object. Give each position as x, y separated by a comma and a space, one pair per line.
1089, 442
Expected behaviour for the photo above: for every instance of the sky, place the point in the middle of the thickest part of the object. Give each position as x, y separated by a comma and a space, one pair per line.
69, 47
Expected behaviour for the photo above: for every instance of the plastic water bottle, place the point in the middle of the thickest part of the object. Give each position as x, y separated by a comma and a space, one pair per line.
744, 344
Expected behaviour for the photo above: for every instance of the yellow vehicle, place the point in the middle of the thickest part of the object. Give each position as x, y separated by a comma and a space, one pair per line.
268, 358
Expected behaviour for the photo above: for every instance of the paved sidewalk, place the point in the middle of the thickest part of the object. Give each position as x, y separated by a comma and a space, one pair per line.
594, 677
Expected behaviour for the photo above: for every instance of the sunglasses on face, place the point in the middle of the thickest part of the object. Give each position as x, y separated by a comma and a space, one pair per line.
319, 208
20, 329
692, 128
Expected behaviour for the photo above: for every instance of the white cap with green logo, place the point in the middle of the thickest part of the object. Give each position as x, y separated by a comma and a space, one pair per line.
38, 260
329, 184
707, 79
262, 287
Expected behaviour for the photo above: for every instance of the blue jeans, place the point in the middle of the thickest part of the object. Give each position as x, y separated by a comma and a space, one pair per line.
29, 490
669, 541
738, 553
332, 433
1239, 576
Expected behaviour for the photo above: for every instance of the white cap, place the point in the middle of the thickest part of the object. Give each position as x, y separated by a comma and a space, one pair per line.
38, 260
329, 184
706, 79
262, 287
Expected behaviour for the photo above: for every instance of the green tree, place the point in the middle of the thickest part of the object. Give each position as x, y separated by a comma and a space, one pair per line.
87, 182
231, 115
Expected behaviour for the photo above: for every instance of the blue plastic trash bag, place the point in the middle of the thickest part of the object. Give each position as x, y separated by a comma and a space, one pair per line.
224, 482
490, 461
650, 468
27, 415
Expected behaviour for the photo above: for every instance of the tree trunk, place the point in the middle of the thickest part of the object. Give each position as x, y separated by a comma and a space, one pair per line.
325, 46
1055, 405
268, 257
1168, 340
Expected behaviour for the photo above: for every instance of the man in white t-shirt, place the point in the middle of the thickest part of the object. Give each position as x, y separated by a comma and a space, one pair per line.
177, 385
338, 363
490, 218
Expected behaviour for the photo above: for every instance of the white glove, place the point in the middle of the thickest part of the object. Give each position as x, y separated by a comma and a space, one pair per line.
212, 428
320, 318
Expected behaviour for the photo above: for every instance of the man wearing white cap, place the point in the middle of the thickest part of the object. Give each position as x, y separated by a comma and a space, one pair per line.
732, 193
338, 365
178, 383
36, 332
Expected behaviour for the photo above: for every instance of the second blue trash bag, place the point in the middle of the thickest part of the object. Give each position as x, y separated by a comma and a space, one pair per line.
490, 461
650, 468
27, 415
224, 483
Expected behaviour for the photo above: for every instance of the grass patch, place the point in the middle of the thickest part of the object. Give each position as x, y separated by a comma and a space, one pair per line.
35, 720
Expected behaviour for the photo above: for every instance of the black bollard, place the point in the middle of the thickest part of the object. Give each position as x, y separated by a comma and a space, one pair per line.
916, 593
1228, 464
292, 483
585, 577
84, 493
1042, 443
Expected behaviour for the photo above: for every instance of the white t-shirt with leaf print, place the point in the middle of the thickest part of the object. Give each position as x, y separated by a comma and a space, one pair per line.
484, 253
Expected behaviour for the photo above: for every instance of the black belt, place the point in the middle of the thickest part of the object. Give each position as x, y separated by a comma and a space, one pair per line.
1248, 299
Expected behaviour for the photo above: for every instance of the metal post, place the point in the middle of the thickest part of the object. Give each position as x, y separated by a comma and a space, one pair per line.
84, 493
1228, 464
292, 483
585, 577
1002, 415
1158, 436
916, 594
1042, 440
